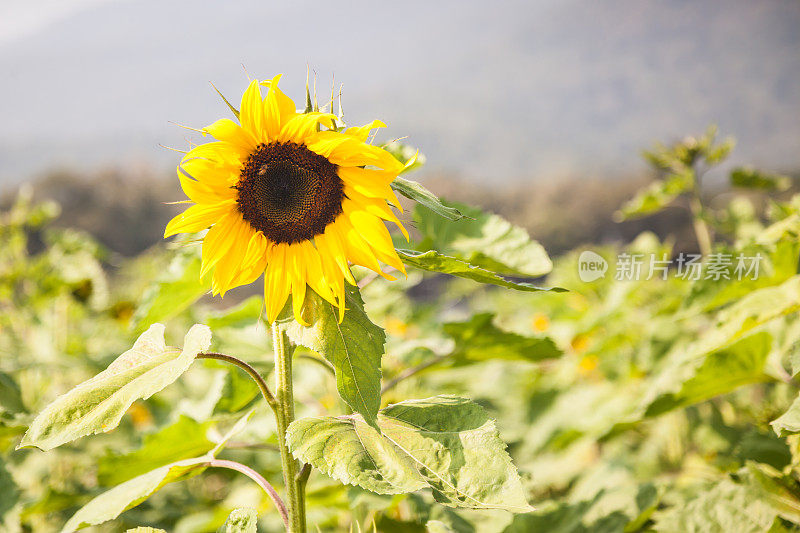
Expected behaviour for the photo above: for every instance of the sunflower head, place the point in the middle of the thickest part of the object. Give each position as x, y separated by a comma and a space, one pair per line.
291, 196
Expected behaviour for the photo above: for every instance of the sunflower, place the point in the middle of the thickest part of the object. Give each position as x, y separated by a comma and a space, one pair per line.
289, 195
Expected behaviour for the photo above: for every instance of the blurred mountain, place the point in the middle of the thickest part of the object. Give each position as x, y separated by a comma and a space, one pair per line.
495, 91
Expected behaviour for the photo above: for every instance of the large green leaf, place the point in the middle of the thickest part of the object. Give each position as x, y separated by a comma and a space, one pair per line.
478, 339
184, 439
728, 506
421, 195
97, 405
114, 502
447, 444
434, 261
241, 521
353, 346
174, 291
485, 240
717, 373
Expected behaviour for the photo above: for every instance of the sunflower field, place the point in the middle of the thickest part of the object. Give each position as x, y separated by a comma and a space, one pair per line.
447, 377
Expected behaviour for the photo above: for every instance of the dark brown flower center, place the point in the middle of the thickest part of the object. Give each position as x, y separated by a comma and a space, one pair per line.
289, 192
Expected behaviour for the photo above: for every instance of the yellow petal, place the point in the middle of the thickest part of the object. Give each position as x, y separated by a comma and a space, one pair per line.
199, 217
361, 133
276, 282
218, 241
278, 109
227, 130
372, 230
377, 207
358, 250
372, 183
230, 265
202, 193
220, 152
331, 246
314, 274
251, 114
297, 278
303, 125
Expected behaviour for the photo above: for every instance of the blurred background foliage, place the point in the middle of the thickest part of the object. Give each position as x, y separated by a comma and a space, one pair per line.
668, 405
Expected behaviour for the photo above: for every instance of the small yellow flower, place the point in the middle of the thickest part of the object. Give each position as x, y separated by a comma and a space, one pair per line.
540, 322
289, 199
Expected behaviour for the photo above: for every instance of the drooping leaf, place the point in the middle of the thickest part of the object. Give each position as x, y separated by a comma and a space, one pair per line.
444, 443
485, 240
433, 261
184, 439
354, 347
415, 191
114, 502
478, 339
789, 422
173, 292
240, 521
97, 405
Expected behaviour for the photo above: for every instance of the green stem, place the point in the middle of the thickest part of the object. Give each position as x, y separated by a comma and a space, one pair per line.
252, 372
295, 487
700, 227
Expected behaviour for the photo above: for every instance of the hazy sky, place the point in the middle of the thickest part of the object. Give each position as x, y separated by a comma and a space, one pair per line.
497, 91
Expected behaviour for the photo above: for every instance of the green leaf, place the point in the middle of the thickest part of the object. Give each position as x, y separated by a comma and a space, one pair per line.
184, 439
478, 339
445, 443
485, 240
789, 422
354, 347
172, 293
433, 261
728, 506
114, 502
421, 195
657, 195
240, 521
751, 178
145, 529
97, 405
720, 372
8, 491
10, 396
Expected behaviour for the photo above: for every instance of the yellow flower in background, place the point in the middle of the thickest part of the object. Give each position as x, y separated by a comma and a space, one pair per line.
289, 199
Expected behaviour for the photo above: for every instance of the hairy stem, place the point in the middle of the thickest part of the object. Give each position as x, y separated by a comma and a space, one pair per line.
295, 489
259, 479
262, 385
